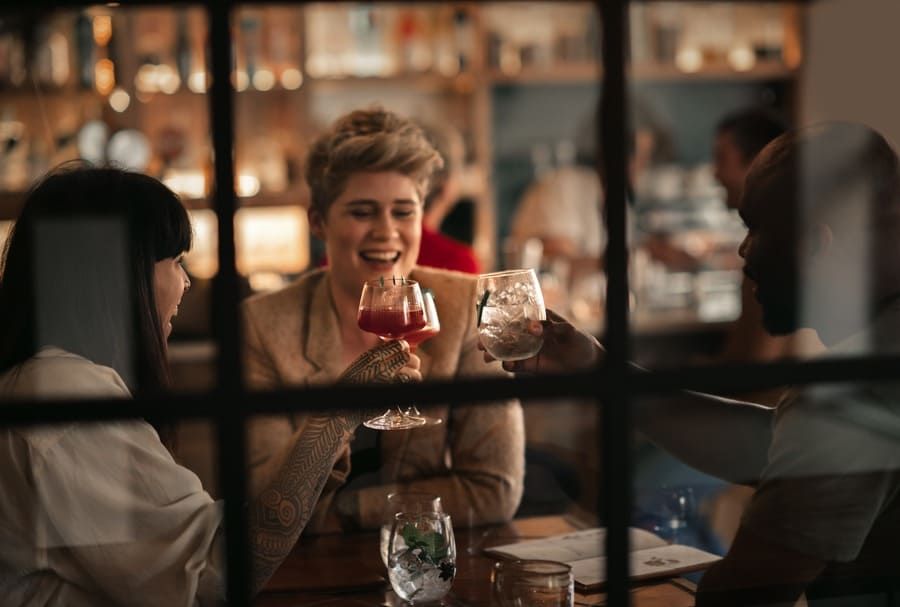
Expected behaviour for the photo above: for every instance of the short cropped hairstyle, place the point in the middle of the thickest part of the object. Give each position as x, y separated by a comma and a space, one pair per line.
752, 129
370, 140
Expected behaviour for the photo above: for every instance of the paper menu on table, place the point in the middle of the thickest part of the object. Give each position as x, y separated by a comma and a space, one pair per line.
584, 550
573, 546
662, 561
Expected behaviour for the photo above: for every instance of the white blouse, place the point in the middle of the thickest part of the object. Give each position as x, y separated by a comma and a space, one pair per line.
99, 513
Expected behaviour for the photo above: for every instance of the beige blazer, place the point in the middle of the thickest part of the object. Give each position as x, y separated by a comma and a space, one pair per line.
474, 461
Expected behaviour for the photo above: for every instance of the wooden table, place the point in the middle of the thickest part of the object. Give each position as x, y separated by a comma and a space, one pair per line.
346, 570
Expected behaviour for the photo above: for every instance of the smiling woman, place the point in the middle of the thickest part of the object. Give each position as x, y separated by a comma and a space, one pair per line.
368, 176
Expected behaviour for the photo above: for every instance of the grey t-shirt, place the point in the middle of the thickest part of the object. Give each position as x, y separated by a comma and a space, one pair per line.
831, 487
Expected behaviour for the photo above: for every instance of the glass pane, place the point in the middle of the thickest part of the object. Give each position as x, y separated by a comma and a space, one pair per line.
119, 87
98, 116
108, 86
505, 97
712, 83
818, 207
488, 505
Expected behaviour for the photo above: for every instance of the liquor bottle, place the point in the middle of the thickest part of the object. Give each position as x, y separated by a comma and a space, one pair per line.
183, 59
84, 42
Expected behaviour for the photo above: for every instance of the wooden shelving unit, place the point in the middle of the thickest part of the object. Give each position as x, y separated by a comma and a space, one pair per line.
286, 116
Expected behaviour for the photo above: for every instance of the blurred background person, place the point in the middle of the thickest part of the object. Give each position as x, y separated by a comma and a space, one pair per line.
437, 250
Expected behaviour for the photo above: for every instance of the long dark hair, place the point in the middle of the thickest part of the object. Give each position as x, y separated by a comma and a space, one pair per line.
77, 271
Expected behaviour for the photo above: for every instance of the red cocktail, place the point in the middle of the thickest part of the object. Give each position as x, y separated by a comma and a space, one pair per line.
414, 339
393, 323
392, 310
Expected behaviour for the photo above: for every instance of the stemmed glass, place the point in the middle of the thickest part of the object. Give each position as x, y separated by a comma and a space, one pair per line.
506, 302
432, 327
392, 309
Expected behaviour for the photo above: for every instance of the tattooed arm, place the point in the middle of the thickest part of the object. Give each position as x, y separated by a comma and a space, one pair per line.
283, 508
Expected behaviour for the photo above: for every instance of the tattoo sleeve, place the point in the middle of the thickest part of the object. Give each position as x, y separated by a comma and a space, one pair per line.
283, 509
377, 365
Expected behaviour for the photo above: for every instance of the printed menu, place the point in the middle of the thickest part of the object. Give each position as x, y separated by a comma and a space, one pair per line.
651, 556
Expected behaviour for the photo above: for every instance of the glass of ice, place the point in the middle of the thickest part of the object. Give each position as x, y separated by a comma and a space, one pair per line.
411, 502
506, 303
421, 556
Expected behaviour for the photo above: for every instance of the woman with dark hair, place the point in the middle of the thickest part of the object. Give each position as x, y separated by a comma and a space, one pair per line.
100, 513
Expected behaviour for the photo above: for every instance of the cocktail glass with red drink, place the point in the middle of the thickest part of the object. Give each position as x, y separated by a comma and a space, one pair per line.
392, 309
432, 327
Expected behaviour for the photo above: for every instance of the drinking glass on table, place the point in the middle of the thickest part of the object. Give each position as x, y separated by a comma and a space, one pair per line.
392, 309
506, 303
533, 583
432, 327
410, 502
421, 556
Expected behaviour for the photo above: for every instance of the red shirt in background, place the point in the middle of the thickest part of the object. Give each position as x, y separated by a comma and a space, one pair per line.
439, 251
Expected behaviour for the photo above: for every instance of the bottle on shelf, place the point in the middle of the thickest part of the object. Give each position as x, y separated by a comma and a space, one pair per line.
87, 52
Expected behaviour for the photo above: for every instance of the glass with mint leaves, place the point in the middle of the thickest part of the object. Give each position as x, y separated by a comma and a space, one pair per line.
421, 556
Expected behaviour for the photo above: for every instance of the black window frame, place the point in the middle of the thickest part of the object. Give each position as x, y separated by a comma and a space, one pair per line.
612, 385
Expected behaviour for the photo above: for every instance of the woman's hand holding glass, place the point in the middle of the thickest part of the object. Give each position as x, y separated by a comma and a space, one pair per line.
387, 362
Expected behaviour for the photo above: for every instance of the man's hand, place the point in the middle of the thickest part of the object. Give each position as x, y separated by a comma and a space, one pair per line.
565, 348
388, 362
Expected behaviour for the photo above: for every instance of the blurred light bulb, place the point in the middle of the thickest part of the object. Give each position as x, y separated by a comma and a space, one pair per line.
689, 59
197, 82
147, 80
247, 186
742, 58
104, 76
102, 26
263, 80
291, 79
168, 79
240, 80
119, 100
